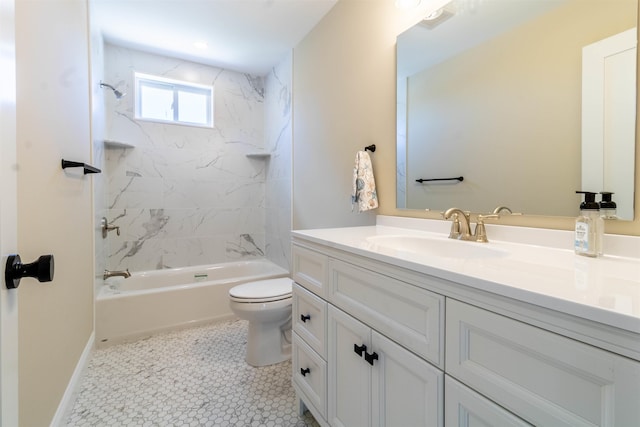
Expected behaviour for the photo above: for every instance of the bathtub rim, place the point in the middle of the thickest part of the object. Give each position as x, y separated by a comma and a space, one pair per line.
104, 293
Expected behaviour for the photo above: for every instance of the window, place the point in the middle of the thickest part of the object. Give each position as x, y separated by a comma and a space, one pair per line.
172, 101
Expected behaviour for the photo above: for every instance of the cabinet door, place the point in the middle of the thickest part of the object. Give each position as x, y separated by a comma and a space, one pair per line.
349, 374
546, 379
406, 390
466, 408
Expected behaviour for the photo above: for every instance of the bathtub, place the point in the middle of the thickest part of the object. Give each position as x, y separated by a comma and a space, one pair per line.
158, 300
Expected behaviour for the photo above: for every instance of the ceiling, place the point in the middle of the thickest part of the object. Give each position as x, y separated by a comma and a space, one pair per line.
249, 36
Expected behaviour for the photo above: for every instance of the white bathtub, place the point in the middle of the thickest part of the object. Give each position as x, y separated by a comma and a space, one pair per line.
159, 300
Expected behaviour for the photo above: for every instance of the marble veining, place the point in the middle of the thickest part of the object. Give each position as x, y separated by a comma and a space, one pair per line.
190, 195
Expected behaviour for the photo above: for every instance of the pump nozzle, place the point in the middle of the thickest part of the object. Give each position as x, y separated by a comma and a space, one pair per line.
589, 201
606, 200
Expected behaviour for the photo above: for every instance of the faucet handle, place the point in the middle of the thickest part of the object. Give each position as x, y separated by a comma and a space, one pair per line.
455, 227
481, 232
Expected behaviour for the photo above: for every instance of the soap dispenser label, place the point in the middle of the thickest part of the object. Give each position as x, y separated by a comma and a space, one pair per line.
581, 243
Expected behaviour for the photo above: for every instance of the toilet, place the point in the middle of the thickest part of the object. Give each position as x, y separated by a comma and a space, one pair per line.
266, 304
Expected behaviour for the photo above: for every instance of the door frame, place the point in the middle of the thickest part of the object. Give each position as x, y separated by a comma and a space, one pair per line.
8, 217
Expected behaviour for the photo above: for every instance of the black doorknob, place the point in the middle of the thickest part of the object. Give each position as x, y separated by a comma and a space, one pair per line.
42, 269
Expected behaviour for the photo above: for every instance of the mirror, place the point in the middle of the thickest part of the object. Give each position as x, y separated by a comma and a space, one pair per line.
499, 92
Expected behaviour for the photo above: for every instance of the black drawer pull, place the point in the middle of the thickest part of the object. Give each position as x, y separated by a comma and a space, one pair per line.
305, 371
359, 350
370, 357
305, 317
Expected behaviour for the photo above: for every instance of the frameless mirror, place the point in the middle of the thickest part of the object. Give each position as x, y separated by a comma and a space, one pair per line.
526, 100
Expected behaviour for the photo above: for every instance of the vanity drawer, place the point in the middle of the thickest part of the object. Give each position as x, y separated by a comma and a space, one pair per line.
412, 316
464, 407
310, 270
309, 374
310, 319
545, 378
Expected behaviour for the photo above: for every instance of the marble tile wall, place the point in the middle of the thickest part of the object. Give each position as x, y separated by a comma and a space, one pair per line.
278, 142
188, 195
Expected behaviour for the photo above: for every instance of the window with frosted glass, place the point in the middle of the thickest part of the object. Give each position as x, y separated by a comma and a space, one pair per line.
171, 101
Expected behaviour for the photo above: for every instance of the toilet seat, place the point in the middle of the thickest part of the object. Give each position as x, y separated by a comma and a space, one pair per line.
262, 291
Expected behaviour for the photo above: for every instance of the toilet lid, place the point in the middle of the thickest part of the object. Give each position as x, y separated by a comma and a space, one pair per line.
263, 289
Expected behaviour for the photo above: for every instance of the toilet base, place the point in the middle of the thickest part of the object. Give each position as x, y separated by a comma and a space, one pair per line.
262, 349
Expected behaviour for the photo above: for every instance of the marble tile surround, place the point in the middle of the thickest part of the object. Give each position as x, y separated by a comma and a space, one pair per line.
189, 195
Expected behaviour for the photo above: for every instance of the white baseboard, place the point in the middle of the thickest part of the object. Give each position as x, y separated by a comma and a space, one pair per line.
71, 393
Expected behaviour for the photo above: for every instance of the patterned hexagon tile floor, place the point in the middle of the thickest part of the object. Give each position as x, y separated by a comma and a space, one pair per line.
193, 377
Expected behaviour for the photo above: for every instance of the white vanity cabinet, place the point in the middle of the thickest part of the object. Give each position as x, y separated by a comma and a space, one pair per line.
395, 347
375, 382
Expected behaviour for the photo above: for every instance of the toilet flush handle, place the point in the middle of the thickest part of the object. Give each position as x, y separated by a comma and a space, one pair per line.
305, 317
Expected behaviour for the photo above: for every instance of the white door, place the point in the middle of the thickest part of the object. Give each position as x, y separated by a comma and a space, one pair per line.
349, 374
609, 118
407, 391
8, 220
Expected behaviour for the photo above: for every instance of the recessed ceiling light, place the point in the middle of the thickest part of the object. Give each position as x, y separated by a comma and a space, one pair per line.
200, 45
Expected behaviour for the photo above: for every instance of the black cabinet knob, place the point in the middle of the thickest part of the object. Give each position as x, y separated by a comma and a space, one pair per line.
359, 349
305, 371
305, 317
370, 357
42, 269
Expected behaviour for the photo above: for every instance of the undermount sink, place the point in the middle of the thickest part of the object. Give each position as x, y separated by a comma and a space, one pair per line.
440, 247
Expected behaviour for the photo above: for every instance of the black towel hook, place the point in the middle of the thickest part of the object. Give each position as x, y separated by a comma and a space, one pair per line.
371, 148
86, 168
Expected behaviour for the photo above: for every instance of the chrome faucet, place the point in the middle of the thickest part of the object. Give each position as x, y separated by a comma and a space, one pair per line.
108, 274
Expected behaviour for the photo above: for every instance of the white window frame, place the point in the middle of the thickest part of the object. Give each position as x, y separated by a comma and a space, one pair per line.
176, 86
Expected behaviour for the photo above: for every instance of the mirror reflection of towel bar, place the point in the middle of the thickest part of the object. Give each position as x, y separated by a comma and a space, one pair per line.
421, 180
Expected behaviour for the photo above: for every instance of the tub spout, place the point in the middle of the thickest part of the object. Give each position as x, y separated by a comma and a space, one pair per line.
124, 274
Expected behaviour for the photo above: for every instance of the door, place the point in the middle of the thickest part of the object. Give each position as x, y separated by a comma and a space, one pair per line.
8, 221
609, 118
407, 391
349, 374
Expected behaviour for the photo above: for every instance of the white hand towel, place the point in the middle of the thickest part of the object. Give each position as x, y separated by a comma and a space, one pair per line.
364, 194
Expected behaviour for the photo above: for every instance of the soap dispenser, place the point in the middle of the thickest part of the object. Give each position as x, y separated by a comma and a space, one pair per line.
589, 227
607, 206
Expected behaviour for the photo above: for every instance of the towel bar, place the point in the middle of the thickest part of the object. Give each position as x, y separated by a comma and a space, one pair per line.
459, 178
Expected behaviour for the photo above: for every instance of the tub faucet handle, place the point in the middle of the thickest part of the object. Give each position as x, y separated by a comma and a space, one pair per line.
106, 227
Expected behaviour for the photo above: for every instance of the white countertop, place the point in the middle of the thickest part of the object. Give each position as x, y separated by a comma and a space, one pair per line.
538, 266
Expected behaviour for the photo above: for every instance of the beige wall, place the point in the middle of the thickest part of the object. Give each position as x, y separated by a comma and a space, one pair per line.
344, 99
54, 207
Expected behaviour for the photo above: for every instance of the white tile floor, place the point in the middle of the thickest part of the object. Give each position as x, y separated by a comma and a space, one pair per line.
193, 377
